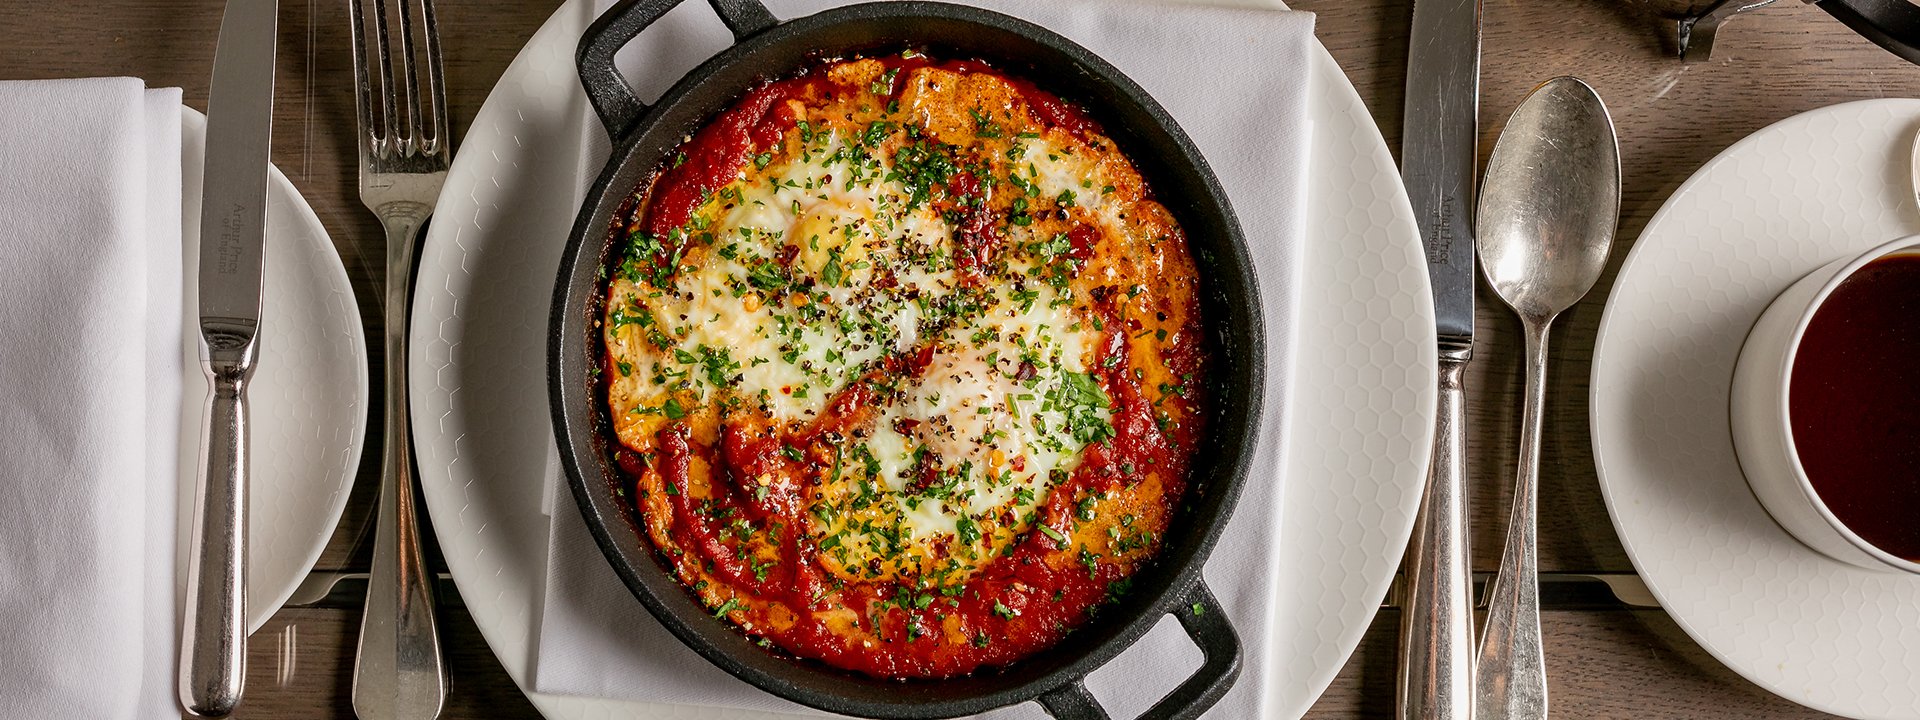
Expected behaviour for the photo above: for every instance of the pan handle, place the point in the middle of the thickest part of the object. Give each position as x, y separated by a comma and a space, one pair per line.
1206, 622
613, 100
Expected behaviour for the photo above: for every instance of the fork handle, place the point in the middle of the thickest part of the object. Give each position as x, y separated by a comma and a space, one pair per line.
398, 672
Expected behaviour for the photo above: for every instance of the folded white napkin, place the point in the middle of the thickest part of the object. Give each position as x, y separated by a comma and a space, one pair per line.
89, 356
1236, 81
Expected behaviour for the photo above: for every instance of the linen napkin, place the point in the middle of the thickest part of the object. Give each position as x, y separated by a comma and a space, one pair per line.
90, 319
1236, 81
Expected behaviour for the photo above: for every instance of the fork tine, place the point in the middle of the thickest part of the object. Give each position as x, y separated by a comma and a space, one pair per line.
362, 90
441, 142
410, 81
389, 114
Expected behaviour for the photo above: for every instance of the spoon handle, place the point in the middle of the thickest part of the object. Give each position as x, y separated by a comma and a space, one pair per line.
1512, 672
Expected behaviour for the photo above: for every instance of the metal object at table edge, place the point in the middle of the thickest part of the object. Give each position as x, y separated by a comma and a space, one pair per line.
233, 219
1894, 25
398, 670
1548, 209
1695, 32
1438, 151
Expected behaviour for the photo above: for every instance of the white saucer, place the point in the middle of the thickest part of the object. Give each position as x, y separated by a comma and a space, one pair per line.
308, 398
1771, 208
1364, 386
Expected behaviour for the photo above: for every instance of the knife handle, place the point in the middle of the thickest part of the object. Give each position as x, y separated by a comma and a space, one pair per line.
1436, 622
213, 638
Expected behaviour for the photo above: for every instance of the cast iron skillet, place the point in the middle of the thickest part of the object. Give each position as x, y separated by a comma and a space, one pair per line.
765, 47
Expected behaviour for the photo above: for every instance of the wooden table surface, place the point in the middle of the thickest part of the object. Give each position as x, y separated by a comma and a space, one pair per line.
1671, 118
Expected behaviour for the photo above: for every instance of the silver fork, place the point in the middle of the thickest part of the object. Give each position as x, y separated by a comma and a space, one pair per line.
398, 672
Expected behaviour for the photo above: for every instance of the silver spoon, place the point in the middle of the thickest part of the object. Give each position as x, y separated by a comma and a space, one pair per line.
1547, 213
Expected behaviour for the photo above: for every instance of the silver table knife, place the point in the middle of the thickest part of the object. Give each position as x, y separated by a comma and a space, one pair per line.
1438, 156
233, 219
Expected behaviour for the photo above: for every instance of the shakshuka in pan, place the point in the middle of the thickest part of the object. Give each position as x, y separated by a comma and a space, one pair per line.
905, 363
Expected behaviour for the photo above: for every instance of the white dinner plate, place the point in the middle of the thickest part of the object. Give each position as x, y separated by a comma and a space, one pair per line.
1809, 189
1365, 364
308, 397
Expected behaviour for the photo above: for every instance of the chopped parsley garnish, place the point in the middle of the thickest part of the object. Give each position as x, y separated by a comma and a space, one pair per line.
1055, 534
884, 85
983, 124
832, 274
768, 275
922, 166
632, 314
969, 532
1081, 399
1019, 215
718, 363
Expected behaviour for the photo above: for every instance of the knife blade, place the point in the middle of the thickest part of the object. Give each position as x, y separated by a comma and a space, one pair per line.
1438, 155
1438, 151
233, 218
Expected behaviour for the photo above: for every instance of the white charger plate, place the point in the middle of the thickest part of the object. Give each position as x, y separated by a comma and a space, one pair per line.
1766, 211
308, 397
1365, 383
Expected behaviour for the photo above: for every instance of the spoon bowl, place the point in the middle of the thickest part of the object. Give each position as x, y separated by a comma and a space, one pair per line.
1551, 200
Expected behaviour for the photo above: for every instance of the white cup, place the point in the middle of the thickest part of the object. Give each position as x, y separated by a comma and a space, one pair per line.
1763, 433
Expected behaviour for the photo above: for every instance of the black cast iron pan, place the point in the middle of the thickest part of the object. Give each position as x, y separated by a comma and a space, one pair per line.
644, 134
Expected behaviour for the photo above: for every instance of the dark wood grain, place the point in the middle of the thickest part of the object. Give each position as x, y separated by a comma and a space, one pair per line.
1671, 118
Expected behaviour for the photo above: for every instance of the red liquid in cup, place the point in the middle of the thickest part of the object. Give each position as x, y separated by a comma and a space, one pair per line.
1854, 403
